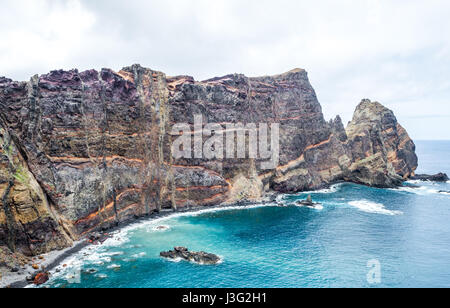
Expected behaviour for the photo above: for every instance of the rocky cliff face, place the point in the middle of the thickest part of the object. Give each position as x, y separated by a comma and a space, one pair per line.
81, 151
383, 155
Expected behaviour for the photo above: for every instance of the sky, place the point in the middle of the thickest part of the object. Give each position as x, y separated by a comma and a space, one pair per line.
395, 52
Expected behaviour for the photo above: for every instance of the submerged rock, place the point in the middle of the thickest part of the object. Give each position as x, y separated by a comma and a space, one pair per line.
161, 228
440, 177
197, 257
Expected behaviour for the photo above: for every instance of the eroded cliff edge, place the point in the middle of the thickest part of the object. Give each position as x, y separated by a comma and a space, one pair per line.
82, 151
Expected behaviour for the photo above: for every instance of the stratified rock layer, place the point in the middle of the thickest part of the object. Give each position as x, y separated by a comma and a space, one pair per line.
383, 155
82, 151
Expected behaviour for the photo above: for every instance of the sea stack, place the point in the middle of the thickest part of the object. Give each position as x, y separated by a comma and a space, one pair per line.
383, 154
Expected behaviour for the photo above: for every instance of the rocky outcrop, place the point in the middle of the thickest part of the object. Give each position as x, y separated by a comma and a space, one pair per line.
383, 155
440, 177
85, 151
40, 278
183, 253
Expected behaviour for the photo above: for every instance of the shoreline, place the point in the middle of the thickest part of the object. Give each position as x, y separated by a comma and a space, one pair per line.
54, 258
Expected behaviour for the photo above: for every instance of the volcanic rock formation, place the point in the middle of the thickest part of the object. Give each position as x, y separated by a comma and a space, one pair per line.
84, 151
183, 253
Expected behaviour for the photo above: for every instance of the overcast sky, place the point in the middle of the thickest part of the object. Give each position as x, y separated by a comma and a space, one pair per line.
396, 52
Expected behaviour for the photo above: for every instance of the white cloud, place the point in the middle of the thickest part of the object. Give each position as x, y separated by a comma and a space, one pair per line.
397, 52
39, 35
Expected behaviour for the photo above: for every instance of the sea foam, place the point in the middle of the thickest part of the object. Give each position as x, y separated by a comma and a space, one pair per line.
373, 207
332, 189
422, 190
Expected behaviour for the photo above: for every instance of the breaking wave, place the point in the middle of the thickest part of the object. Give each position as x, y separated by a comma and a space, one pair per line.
332, 189
421, 190
316, 207
178, 260
373, 207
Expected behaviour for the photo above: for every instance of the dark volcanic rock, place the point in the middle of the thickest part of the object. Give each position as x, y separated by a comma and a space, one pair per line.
84, 151
440, 177
308, 202
185, 254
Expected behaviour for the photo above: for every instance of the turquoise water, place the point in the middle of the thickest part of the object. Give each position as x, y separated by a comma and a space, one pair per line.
407, 231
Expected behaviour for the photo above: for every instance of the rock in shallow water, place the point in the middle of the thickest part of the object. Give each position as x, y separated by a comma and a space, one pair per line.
308, 203
197, 257
440, 177
40, 278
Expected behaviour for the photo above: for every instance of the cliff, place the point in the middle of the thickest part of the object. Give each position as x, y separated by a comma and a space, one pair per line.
382, 152
82, 151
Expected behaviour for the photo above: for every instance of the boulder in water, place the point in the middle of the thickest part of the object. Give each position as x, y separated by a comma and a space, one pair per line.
440, 177
40, 278
197, 257
308, 202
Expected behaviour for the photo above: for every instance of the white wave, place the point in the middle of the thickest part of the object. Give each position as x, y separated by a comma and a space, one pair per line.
415, 182
373, 207
101, 276
421, 190
139, 255
73, 264
332, 189
114, 253
445, 193
318, 207
175, 260
133, 246
178, 260
117, 239
114, 266
280, 198
202, 263
98, 257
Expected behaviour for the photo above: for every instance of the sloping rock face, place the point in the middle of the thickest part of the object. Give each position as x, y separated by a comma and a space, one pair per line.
383, 154
96, 148
27, 222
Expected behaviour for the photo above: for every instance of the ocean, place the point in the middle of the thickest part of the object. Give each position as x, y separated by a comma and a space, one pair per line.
362, 237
